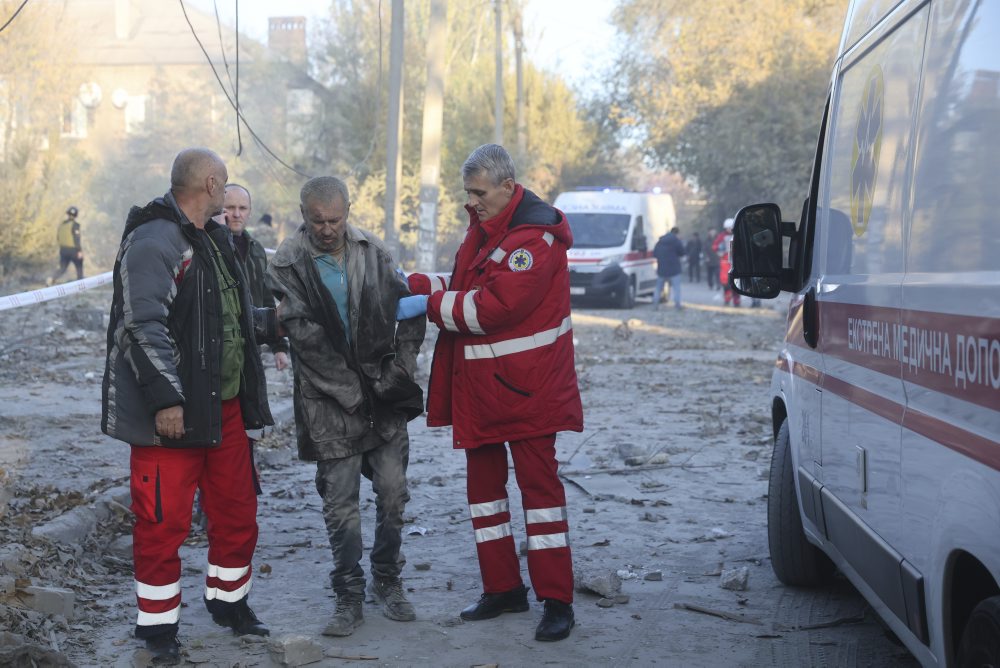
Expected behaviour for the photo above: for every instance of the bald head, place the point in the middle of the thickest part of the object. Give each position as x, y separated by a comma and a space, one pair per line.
192, 166
198, 183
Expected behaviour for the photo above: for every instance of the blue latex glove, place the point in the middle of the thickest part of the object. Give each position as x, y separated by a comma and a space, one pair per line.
411, 307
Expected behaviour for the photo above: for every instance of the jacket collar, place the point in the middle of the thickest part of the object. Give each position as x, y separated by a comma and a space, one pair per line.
499, 223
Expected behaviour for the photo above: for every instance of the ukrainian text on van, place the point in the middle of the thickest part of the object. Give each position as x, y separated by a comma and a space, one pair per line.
885, 399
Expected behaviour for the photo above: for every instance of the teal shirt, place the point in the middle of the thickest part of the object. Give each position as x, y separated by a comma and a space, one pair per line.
334, 277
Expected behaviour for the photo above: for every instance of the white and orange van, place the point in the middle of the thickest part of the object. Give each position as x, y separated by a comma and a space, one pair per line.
885, 398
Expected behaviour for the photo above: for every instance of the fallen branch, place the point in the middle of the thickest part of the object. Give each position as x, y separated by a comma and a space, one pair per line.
718, 613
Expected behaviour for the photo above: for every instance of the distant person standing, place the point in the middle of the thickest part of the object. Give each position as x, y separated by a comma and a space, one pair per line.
722, 246
694, 258
711, 264
70, 250
668, 253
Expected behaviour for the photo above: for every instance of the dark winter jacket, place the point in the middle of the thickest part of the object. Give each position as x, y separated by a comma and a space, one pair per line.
165, 333
344, 390
255, 267
668, 253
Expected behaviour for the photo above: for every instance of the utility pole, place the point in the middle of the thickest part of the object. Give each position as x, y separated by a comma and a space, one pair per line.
394, 132
430, 145
522, 133
498, 104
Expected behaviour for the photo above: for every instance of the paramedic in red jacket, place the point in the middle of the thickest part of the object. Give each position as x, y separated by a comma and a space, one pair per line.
503, 374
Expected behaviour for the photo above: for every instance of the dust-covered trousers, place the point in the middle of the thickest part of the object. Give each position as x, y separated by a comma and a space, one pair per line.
338, 482
550, 564
163, 485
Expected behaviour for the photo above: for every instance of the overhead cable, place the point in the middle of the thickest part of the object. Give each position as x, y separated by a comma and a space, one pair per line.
232, 103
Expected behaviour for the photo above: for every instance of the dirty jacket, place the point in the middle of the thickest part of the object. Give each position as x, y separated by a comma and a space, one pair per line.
503, 365
255, 268
164, 344
668, 252
344, 391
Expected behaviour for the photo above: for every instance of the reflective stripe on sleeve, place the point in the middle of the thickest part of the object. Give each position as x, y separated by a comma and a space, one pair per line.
519, 345
541, 515
438, 281
493, 533
489, 508
548, 541
227, 574
157, 618
157, 592
215, 593
470, 313
447, 311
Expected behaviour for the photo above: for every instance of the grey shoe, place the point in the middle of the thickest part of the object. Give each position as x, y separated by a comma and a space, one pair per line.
394, 604
347, 617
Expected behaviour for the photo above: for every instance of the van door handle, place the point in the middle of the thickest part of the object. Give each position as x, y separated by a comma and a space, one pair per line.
810, 318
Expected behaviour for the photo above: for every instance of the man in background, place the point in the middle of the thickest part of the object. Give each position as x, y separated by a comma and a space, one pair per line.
70, 250
668, 252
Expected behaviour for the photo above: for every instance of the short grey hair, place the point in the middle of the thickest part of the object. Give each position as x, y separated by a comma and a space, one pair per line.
491, 159
324, 189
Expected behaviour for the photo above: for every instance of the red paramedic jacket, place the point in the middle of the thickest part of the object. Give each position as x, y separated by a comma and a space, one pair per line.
503, 365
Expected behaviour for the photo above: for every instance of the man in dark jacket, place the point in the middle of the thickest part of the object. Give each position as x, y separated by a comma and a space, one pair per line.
180, 390
253, 259
694, 258
503, 373
668, 253
354, 390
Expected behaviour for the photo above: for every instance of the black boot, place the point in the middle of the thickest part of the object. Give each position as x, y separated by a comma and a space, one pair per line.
493, 605
241, 620
165, 649
556, 622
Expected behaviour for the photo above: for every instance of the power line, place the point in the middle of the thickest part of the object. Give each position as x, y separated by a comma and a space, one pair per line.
14, 16
239, 113
222, 48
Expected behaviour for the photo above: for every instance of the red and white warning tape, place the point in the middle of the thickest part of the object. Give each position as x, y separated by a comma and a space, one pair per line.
54, 292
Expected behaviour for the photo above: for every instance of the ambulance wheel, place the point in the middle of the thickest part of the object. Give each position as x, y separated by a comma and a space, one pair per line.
627, 297
795, 560
980, 644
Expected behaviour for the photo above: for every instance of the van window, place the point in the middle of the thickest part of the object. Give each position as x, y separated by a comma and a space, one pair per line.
639, 236
598, 230
869, 154
956, 190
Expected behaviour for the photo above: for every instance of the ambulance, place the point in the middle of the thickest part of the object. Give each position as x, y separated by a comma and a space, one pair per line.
885, 398
614, 232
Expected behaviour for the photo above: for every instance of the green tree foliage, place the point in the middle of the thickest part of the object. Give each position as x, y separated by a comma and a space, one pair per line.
37, 172
563, 144
729, 93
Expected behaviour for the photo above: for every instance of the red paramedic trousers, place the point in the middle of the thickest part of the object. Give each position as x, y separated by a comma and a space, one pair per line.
550, 564
163, 487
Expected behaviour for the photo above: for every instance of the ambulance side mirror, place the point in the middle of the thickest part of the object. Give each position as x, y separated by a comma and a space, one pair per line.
756, 254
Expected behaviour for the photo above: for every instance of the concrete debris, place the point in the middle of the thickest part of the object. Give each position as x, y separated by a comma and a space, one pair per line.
621, 599
17, 651
605, 603
735, 579
50, 600
295, 650
607, 586
121, 547
13, 559
423, 566
72, 527
653, 576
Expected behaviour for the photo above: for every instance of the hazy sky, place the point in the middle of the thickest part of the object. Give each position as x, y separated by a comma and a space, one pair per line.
571, 37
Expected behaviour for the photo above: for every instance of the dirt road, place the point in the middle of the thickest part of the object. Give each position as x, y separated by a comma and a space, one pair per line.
666, 490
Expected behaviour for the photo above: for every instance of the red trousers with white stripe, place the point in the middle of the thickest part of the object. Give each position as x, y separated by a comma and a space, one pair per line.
163, 484
550, 564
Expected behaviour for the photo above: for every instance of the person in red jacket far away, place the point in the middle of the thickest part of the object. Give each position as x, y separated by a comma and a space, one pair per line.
503, 375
